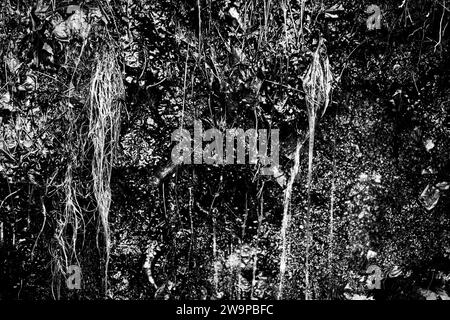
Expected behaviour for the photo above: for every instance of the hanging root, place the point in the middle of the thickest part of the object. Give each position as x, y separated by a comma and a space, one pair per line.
317, 84
287, 217
70, 220
106, 94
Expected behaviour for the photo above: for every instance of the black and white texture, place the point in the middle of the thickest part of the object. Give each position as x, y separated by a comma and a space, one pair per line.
315, 137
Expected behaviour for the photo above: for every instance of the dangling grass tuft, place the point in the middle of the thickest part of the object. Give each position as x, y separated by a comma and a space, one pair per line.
317, 84
106, 96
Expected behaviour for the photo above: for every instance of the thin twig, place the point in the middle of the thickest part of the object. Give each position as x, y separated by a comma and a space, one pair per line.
440, 28
9, 195
44, 213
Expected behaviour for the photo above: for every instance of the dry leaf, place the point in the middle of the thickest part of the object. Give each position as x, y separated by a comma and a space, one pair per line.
5, 98
12, 63
47, 48
429, 197
61, 31
5, 102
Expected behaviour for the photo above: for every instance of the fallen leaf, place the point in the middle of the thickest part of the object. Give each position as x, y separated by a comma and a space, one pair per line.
5, 102
12, 63
61, 31
429, 197
5, 98
47, 48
